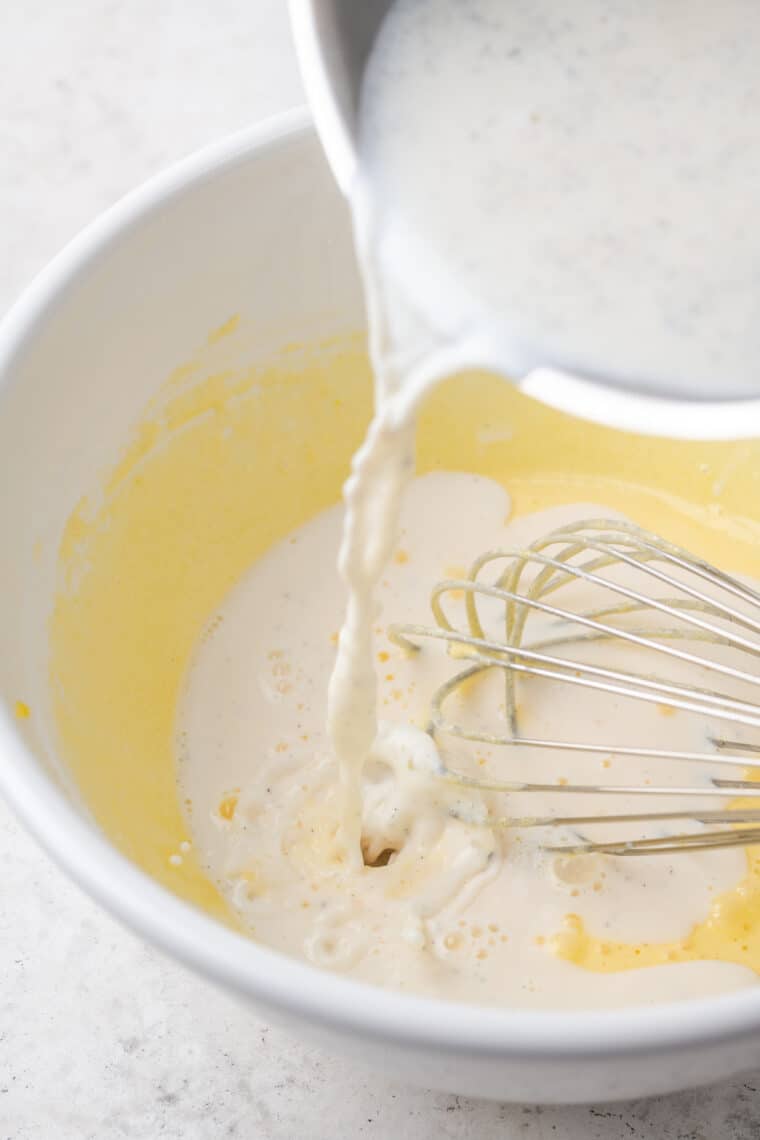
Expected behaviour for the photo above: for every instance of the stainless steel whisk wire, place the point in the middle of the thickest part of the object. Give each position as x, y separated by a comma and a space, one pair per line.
583, 552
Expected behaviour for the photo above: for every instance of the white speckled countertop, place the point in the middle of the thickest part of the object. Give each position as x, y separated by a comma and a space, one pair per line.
100, 1036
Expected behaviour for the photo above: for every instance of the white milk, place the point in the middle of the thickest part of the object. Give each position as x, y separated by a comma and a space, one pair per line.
572, 182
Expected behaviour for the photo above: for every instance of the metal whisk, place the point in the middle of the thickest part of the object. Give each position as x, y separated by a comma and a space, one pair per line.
552, 611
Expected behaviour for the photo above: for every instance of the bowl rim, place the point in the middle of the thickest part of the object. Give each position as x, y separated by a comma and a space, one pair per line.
281, 984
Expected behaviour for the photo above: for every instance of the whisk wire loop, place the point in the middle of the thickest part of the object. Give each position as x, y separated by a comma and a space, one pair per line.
608, 560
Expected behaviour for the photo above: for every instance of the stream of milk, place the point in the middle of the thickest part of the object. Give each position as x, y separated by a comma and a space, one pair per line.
538, 182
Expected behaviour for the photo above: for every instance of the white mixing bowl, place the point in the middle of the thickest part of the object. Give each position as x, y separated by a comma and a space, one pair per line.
253, 224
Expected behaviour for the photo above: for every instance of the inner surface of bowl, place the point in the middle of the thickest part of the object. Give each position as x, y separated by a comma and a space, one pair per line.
188, 386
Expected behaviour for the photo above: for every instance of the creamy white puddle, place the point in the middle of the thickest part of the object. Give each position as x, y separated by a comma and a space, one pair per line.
461, 910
